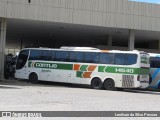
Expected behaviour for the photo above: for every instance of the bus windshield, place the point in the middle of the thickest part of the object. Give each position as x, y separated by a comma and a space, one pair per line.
155, 62
22, 59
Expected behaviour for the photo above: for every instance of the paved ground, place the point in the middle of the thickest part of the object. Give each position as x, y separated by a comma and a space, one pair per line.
23, 96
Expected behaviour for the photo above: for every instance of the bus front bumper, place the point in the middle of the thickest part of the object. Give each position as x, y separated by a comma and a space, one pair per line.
143, 84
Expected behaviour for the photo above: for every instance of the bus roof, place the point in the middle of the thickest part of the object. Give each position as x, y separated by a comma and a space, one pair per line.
78, 48
154, 54
85, 49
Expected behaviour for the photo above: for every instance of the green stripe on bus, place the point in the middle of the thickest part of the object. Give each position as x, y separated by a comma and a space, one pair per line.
84, 67
65, 66
108, 69
121, 70
79, 74
144, 71
51, 65
101, 68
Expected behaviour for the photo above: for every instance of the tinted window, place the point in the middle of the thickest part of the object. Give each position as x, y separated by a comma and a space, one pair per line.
106, 58
73, 56
119, 59
53, 54
131, 59
79, 57
35, 55
88, 57
76, 57
155, 62
62, 56
91, 57
22, 59
66, 57
96, 58
46, 55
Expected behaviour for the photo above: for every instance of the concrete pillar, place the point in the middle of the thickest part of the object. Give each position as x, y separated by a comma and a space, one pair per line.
3, 29
131, 41
109, 41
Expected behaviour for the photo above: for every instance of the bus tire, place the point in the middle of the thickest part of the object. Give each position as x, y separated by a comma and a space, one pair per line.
33, 77
109, 84
96, 83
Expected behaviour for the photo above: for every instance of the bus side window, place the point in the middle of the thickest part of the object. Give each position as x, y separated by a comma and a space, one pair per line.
79, 57
35, 55
119, 59
62, 56
95, 57
72, 57
66, 57
88, 57
107, 58
46, 55
53, 54
131, 59
58, 56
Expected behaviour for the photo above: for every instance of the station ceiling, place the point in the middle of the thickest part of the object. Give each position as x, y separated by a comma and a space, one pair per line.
49, 31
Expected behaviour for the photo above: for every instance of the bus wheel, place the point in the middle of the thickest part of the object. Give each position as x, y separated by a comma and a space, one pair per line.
33, 78
96, 83
109, 84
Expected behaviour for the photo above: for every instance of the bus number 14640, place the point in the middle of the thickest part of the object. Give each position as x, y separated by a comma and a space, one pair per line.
124, 70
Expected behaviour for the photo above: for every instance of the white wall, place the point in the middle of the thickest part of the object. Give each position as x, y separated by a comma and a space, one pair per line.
109, 13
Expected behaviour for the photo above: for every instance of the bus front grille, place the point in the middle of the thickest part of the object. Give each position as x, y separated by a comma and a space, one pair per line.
127, 81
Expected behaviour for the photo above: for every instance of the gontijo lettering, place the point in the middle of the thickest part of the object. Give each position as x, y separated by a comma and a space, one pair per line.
44, 65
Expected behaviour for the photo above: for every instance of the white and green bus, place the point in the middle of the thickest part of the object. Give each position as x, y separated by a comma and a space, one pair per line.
84, 65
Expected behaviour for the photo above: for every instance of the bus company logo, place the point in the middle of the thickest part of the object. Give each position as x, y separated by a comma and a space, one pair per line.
42, 65
6, 114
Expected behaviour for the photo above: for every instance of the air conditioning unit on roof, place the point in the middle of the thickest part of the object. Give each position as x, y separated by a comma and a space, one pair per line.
78, 48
